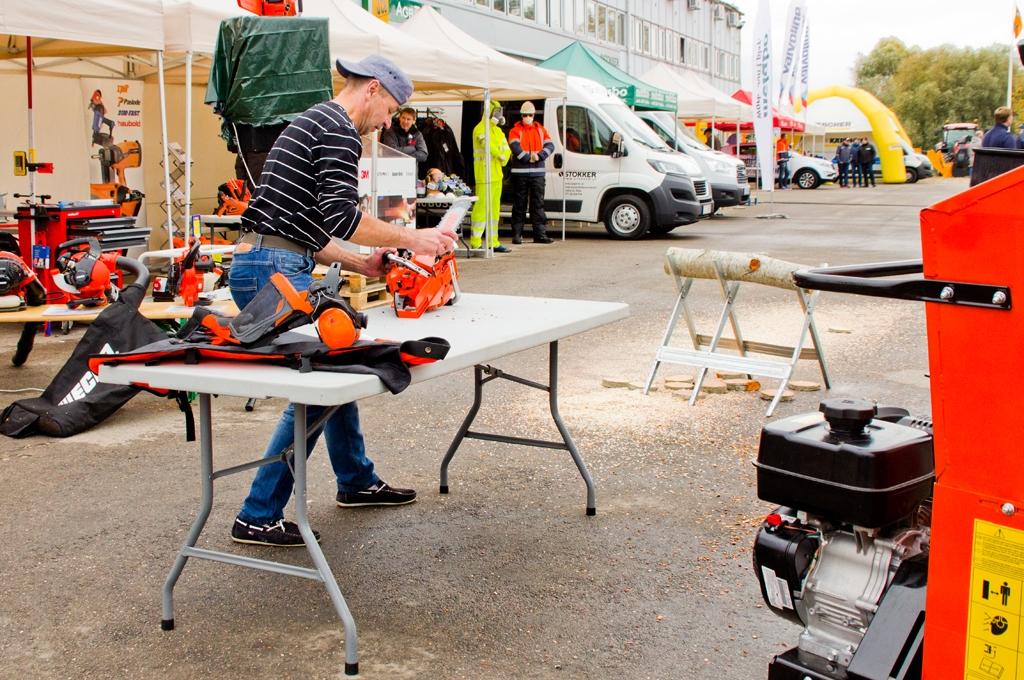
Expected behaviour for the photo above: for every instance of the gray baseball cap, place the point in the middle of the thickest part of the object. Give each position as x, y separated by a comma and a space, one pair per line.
391, 78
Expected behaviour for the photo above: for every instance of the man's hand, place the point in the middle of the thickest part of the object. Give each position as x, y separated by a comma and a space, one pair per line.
534, 157
374, 263
435, 241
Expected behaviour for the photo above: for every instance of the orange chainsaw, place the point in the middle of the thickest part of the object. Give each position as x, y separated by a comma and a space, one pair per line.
420, 283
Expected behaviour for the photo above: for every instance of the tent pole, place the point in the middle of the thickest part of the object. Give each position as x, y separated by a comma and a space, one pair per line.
487, 177
374, 151
565, 116
163, 141
188, 147
31, 135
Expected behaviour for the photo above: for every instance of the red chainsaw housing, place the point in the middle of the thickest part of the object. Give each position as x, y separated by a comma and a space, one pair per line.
414, 294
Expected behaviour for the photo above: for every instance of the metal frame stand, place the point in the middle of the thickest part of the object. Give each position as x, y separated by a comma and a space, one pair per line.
710, 358
551, 388
295, 456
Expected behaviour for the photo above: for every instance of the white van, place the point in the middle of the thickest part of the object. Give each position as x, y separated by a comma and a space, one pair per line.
727, 174
612, 168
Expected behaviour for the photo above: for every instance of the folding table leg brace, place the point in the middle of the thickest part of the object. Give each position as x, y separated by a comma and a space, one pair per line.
551, 388
321, 572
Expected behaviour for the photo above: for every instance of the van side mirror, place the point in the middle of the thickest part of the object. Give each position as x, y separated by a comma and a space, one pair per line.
617, 148
557, 160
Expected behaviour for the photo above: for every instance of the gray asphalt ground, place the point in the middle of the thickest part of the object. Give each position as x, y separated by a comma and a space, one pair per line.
505, 577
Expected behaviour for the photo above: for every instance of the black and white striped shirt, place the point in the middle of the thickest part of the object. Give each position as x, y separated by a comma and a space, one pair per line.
308, 191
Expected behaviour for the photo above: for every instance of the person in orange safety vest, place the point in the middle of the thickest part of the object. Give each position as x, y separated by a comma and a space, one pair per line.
530, 144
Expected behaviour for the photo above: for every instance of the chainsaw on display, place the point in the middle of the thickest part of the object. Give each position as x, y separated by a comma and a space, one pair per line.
272, 8
278, 307
185, 277
232, 197
419, 283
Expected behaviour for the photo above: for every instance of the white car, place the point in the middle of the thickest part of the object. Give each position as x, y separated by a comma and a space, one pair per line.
808, 172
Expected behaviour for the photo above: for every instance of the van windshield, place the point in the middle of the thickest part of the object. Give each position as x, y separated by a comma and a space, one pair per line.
682, 136
634, 127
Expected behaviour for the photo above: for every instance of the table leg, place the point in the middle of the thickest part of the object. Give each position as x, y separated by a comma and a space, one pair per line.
478, 392
302, 519
564, 431
205, 505
551, 388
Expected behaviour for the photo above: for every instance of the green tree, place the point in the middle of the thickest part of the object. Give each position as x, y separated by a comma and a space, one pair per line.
945, 84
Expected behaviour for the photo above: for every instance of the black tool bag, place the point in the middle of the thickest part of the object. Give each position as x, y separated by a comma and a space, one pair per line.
75, 400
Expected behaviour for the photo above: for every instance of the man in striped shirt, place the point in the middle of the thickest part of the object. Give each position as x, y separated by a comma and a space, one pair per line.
308, 196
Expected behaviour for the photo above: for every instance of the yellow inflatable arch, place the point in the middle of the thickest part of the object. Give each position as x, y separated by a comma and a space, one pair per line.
885, 127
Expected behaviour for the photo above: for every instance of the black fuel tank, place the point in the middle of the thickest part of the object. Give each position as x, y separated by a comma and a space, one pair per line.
845, 466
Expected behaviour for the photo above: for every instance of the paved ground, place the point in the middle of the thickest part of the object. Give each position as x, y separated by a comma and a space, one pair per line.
505, 577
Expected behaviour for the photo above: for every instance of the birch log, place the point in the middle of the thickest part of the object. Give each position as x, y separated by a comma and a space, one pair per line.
753, 267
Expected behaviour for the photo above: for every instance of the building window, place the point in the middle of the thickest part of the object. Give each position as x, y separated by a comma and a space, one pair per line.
485, 3
515, 7
620, 24
646, 45
602, 23
530, 10
499, 6
682, 50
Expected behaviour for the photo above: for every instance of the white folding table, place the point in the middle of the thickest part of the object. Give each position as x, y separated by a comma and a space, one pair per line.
480, 328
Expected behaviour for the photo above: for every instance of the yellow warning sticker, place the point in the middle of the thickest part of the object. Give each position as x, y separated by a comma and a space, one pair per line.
994, 640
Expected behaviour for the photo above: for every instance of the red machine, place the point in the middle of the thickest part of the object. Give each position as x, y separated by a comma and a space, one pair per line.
420, 283
232, 197
88, 275
897, 543
185, 277
18, 283
272, 8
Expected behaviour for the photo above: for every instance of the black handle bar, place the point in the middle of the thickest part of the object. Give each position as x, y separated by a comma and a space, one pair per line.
865, 279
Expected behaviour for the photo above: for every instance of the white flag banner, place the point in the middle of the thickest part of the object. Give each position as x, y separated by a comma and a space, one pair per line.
763, 96
805, 55
794, 29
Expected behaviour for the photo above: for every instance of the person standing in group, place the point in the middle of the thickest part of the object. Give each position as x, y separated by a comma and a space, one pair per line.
1000, 137
405, 137
974, 146
782, 161
307, 196
488, 177
855, 162
844, 156
866, 158
531, 145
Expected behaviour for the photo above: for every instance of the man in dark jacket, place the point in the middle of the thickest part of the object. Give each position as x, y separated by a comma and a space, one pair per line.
530, 144
866, 159
1000, 137
844, 155
405, 137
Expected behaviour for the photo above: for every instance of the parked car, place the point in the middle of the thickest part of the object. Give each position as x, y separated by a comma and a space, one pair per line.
806, 172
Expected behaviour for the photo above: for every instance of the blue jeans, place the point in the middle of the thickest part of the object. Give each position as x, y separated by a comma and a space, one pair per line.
273, 484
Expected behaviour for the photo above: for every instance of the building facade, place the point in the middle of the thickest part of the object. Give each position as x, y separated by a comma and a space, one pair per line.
702, 36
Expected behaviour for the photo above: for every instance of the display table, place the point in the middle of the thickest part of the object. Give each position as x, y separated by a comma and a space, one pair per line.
156, 311
227, 223
480, 328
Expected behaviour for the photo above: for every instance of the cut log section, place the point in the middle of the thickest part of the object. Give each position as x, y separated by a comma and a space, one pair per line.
753, 267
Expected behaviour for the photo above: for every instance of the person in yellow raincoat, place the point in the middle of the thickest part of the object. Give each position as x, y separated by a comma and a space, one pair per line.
488, 176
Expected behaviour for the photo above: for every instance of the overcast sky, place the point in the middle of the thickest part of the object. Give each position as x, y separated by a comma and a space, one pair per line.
840, 29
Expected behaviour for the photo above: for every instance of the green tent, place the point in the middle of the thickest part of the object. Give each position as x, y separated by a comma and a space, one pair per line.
577, 60
266, 71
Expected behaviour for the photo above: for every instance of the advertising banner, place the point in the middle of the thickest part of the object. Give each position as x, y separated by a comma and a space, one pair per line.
791, 47
762, 96
115, 125
804, 60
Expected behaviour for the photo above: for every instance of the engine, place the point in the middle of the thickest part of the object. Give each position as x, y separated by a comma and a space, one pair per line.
845, 554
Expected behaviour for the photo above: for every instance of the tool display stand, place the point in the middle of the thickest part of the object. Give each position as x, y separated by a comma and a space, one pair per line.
730, 270
56, 223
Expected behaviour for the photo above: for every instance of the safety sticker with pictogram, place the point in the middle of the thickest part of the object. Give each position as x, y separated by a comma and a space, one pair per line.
995, 646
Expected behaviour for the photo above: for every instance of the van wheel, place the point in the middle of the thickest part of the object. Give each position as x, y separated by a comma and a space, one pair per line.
807, 179
627, 217
911, 175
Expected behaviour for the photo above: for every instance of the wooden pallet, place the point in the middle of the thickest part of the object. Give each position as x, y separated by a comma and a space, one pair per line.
371, 295
358, 283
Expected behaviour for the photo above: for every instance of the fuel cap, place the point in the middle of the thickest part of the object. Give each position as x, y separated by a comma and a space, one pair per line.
847, 417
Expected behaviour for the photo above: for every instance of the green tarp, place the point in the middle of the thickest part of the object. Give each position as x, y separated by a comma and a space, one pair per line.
266, 71
577, 60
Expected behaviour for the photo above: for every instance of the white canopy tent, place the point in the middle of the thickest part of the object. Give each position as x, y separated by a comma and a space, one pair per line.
697, 98
505, 78
192, 26
69, 34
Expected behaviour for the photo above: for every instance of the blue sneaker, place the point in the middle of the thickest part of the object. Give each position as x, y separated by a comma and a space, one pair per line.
502, 249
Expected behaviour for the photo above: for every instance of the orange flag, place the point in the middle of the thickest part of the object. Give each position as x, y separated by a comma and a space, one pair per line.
1016, 22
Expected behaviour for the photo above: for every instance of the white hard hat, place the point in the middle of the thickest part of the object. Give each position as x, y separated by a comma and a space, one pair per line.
527, 109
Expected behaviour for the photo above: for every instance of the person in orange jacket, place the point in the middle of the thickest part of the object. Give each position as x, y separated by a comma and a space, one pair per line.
530, 144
